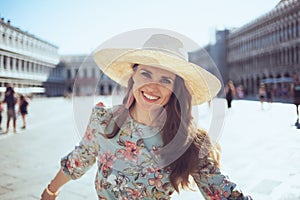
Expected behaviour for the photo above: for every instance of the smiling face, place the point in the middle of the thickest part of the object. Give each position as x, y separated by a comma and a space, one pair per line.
152, 87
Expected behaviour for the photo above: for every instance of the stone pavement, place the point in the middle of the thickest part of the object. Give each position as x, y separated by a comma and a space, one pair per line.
260, 150
30, 158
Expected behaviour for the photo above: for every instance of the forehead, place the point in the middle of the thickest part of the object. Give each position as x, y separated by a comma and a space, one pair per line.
156, 70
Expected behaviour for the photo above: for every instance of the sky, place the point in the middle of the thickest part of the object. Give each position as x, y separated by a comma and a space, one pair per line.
78, 27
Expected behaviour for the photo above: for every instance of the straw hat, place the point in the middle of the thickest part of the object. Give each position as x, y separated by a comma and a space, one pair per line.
165, 52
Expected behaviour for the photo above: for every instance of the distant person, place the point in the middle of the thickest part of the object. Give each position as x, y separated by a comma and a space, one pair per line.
269, 93
240, 92
295, 95
262, 94
148, 147
23, 104
10, 101
1, 110
230, 92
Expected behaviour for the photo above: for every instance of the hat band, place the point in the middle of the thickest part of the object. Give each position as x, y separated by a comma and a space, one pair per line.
166, 51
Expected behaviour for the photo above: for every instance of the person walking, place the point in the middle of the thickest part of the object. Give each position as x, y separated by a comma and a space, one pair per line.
10, 101
149, 146
1, 110
262, 95
295, 95
269, 93
23, 104
230, 92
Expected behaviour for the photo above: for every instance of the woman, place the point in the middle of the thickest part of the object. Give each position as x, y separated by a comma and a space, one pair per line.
295, 95
230, 92
23, 104
1, 109
262, 94
148, 146
10, 101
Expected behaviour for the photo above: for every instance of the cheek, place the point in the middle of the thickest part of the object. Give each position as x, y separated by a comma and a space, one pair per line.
139, 80
167, 93
136, 83
135, 91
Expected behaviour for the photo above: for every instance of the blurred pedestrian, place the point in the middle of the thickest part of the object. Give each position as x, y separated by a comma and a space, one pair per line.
23, 104
240, 92
10, 101
230, 92
1, 110
262, 94
149, 129
269, 93
295, 95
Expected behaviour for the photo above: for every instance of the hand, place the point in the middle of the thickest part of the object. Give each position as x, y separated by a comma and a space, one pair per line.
46, 196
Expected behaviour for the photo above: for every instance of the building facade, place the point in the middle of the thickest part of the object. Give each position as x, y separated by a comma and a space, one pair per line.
83, 76
267, 50
25, 60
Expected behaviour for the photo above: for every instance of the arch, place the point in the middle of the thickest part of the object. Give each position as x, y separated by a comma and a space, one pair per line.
242, 82
252, 84
110, 87
286, 75
264, 76
257, 83
278, 75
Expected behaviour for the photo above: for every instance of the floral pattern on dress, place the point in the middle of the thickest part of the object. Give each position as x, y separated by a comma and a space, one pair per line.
127, 163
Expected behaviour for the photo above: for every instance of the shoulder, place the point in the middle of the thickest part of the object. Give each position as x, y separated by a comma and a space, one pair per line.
106, 112
208, 148
202, 140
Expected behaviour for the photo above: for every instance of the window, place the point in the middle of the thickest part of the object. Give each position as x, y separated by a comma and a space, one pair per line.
11, 63
69, 73
4, 62
17, 64
76, 72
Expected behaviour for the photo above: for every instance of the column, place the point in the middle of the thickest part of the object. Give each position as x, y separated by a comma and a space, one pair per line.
25, 67
34, 67
1, 62
20, 64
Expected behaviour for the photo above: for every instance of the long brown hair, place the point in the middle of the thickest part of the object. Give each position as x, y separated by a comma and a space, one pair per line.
179, 121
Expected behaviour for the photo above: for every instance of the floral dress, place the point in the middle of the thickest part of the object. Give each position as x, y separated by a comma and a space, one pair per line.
127, 169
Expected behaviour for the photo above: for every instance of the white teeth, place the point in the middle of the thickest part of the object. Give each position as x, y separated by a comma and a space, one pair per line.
150, 97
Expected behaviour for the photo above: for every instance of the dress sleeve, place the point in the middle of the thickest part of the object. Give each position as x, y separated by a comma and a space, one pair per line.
77, 162
216, 186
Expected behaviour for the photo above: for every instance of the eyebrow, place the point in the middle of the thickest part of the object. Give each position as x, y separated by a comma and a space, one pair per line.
152, 73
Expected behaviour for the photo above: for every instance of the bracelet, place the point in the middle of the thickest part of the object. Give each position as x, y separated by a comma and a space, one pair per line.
51, 193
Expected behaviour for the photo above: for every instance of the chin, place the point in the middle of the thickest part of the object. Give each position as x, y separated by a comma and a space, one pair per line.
150, 107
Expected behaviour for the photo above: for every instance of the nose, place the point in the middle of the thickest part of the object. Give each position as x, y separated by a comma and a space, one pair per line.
153, 87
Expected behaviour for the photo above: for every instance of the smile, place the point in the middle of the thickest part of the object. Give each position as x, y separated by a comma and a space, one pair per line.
150, 97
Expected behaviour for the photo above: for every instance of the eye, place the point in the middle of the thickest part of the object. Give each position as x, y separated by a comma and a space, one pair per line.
146, 74
166, 81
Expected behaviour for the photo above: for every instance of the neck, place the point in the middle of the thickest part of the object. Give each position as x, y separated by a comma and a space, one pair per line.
146, 117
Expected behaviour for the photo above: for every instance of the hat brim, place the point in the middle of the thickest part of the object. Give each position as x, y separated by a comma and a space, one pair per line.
117, 64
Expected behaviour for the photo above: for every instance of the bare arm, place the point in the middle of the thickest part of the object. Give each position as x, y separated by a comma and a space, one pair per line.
59, 180
85, 155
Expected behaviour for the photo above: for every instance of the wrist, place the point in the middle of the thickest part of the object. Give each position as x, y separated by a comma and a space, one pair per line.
51, 191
